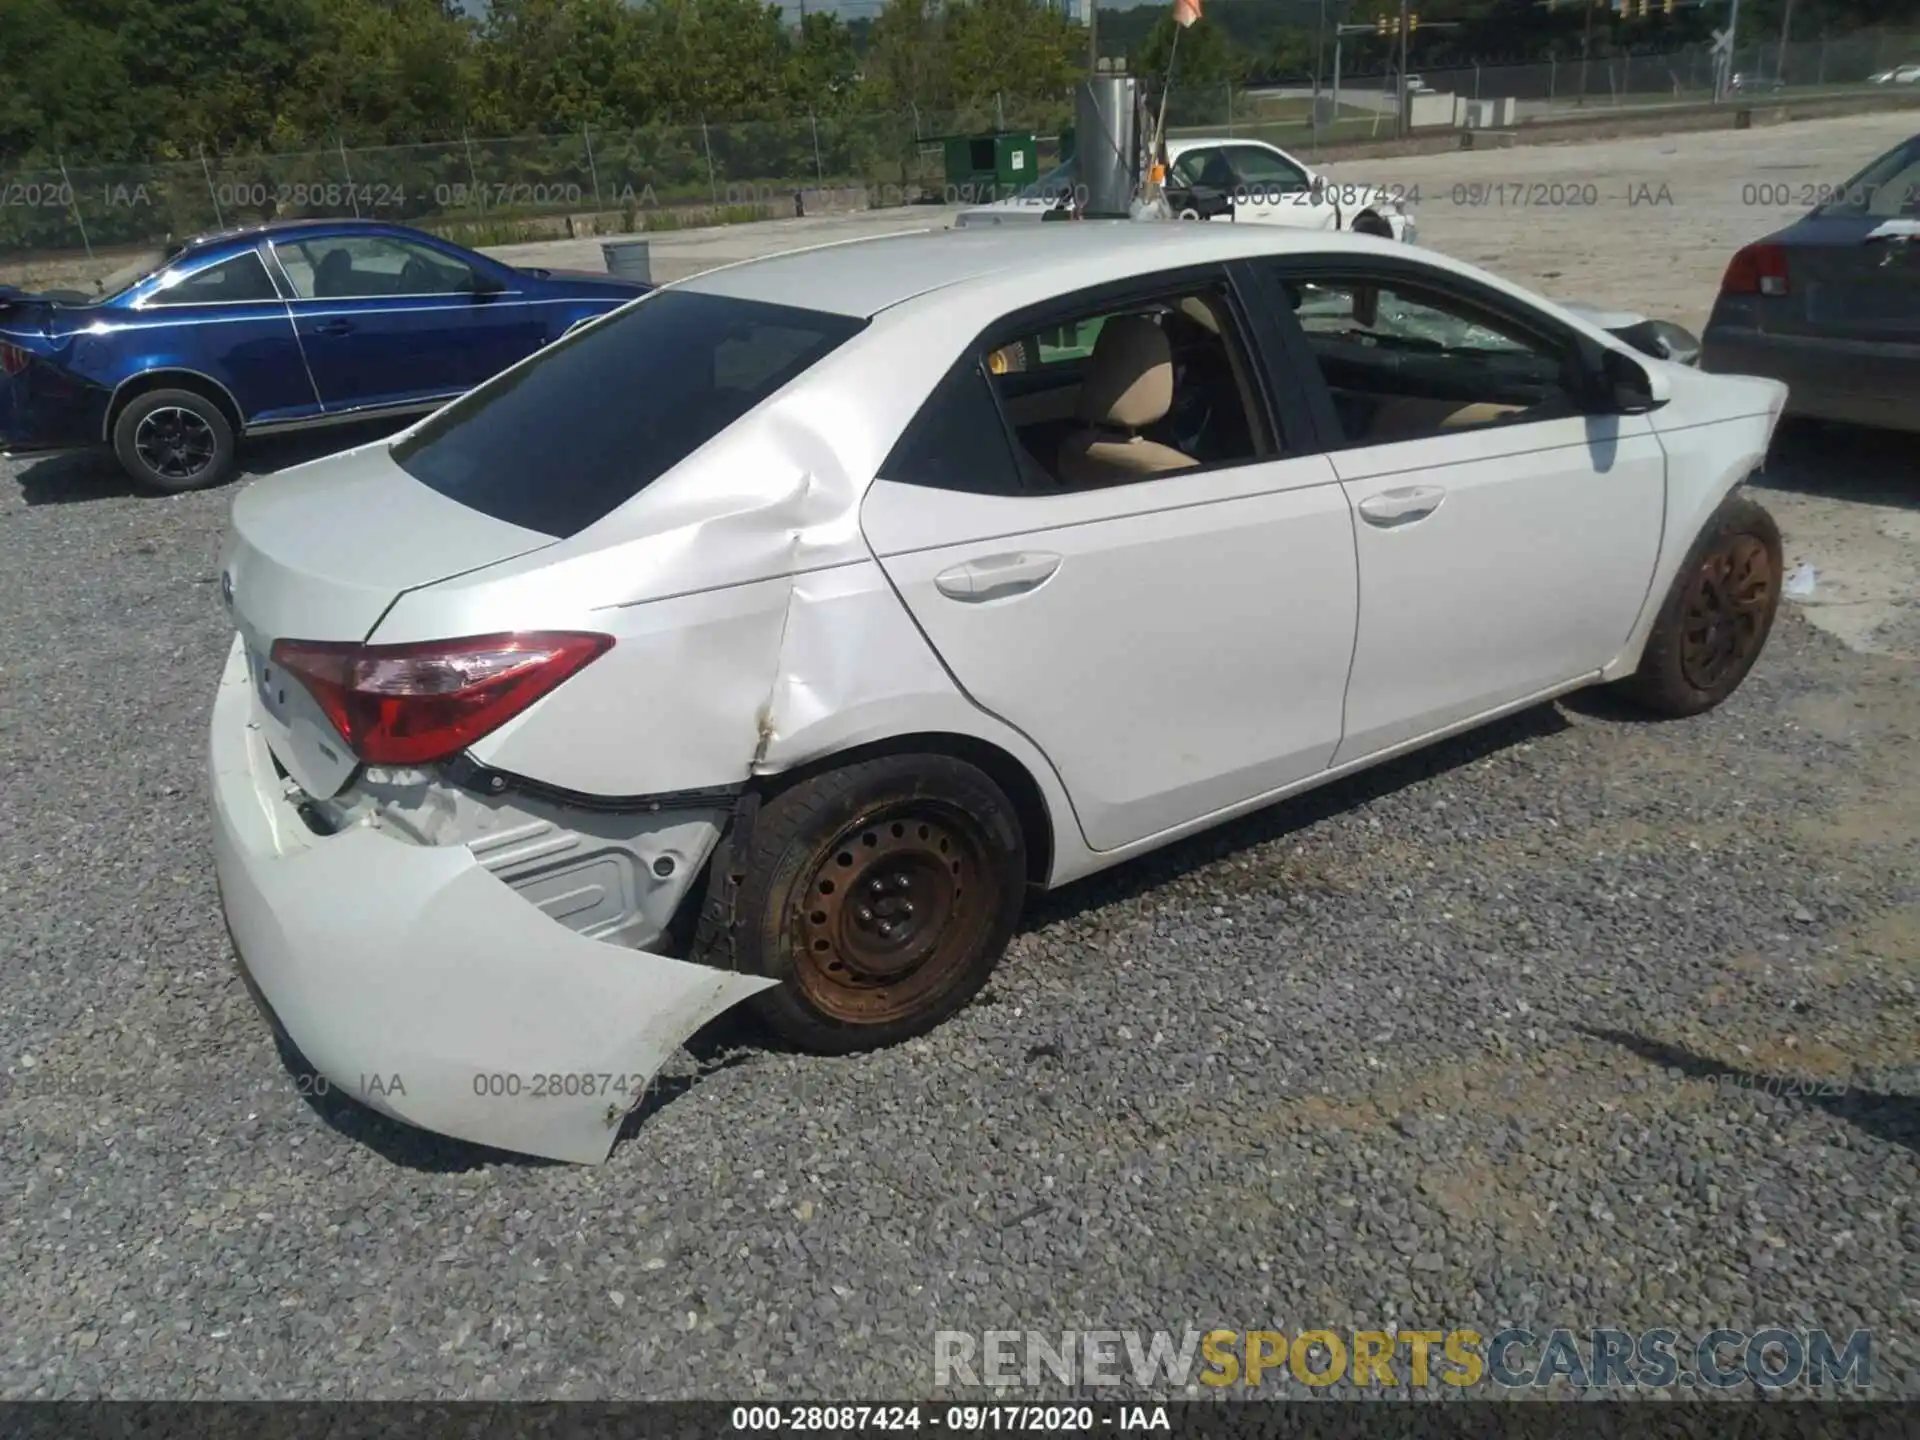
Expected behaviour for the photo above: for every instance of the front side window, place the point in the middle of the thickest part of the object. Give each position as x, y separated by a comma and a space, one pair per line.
364, 267
1266, 171
1403, 362
1208, 168
567, 437
241, 279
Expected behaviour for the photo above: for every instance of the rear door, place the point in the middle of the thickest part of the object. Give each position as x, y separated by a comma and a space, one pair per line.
388, 321
1176, 640
1506, 540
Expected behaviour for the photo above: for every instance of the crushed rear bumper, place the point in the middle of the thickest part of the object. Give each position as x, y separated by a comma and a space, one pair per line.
423, 986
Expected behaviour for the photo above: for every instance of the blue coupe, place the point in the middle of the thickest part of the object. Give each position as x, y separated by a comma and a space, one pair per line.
273, 328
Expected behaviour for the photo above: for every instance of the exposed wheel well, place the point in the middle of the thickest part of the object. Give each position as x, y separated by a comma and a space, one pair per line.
1370, 222
1029, 804
173, 380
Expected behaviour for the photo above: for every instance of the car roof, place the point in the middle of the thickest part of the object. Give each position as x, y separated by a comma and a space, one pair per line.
281, 227
1177, 148
864, 277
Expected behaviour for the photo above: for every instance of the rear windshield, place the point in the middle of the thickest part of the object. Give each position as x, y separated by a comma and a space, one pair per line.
594, 419
1889, 188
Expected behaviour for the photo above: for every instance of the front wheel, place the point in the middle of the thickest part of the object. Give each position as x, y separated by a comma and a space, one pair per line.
1717, 614
174, 440
879, 895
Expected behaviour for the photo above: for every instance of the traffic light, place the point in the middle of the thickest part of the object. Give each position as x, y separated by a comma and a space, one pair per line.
1668, 5
1381, 26
1413, 20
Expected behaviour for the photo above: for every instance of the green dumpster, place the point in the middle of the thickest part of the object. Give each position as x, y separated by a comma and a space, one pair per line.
985, 168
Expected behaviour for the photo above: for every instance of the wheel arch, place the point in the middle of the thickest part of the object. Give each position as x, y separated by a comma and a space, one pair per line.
134, 386
1372, 222
1029, 801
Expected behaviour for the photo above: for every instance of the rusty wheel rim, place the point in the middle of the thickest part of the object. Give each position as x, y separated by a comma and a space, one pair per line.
891, 915
1726, 612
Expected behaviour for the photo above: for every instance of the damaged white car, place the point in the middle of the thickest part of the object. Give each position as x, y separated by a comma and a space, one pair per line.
771, 638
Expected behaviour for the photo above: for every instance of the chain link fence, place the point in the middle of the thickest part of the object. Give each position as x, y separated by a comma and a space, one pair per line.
69, 225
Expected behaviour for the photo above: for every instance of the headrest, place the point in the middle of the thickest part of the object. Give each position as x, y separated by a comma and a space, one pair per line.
1129, 377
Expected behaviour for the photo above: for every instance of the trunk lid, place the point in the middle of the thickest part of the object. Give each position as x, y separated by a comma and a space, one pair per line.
320, 552
1849, 277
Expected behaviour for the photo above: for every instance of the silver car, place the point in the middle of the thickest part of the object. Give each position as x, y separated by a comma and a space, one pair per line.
1831, 304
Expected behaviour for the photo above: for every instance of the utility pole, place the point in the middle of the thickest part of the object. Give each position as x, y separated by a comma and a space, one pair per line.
1093, 38
1786, 31
1586, 45
1319, 59
1402, 100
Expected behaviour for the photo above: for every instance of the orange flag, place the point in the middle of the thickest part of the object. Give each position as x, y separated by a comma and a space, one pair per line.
1185, 12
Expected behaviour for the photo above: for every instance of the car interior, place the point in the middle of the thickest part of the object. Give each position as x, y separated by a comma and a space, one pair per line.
1402, 365
1112, 398
361, 268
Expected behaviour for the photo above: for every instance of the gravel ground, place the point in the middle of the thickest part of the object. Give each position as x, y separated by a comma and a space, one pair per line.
1478, 1039
1434, 1047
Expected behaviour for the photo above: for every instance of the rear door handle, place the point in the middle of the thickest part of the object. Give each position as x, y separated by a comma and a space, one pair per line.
1400, 507
995, 577
333, 327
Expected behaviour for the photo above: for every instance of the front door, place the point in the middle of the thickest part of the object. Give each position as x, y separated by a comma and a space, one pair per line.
1174, 631
386, 321
1506, 540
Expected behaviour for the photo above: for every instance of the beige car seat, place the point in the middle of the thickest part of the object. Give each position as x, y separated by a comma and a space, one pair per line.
1128, 386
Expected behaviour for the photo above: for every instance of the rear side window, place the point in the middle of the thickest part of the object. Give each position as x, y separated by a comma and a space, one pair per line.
566, 439
957, 441
242, 278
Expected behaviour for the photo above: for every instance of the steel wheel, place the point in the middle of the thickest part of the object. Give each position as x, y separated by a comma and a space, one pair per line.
892, 911
1726, 612
177, 443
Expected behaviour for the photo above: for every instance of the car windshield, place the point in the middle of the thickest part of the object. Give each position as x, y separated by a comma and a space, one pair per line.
1889, 187
569, 436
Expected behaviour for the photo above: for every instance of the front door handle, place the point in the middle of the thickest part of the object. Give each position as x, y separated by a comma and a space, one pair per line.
995, 577
1399, 507
333, 327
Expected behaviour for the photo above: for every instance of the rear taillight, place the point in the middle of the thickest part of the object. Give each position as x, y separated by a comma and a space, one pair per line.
414, 704
13, 359
1756, 270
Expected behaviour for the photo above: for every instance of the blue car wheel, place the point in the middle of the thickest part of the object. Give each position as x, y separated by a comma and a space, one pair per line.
174, 440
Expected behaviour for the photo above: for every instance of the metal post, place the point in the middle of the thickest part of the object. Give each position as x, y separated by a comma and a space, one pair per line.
1319, 59
1786, 33
1821, 78
473, 176
67, 180
1476, 80
1401, 99
1093, 37
713, 181
1733, 41
212, 194
586, 136
1336, 74
819, 173
1586, 49
1229, 87
999, 110
1553, 77
347, 171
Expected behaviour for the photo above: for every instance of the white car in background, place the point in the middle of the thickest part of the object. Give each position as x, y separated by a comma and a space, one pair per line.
1899, 75
772, 638
1265, 185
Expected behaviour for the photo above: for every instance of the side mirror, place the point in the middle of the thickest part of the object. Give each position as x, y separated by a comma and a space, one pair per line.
485, 287
1628, 388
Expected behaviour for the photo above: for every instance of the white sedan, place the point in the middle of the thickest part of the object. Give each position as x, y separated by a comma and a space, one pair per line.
773, 637
1248, 181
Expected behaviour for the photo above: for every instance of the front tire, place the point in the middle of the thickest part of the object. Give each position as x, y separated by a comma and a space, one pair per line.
879, 895
171, 441
1716, 617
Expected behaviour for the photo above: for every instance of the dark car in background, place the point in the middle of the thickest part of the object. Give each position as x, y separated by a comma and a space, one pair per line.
1831, 304
274, 328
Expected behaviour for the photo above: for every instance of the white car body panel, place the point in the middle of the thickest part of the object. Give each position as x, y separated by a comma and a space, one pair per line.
1252, 700
1451, 615
774, 604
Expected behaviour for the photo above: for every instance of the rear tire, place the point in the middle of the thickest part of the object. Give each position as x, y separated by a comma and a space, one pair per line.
1716, 617
171, 441
879, 895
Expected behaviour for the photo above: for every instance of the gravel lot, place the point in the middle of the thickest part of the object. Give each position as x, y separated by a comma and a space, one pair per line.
1473, 1040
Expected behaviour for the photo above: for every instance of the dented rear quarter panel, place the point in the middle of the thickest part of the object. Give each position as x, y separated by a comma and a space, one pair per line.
754, 630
